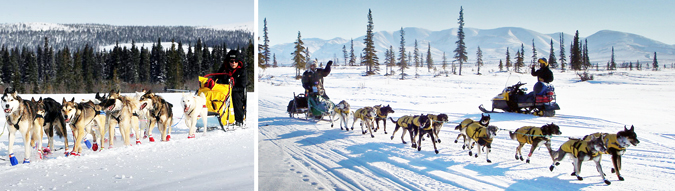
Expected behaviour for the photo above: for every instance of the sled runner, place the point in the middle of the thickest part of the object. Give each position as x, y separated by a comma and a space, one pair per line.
218, 100
514, 99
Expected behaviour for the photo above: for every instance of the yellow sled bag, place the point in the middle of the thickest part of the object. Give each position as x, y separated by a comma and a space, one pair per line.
218, 99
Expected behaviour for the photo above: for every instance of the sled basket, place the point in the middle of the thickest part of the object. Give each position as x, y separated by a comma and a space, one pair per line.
218, 101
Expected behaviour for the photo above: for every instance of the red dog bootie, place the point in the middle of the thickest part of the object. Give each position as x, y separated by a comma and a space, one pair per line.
152, 139
138, 142
191, 136
46, 151
74, 154
168, 137
94, 147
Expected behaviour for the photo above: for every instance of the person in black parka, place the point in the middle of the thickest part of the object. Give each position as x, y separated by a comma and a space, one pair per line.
313, 77
236, 73
544, 76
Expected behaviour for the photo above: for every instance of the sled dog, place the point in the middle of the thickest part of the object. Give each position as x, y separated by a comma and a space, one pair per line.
580, 151
159, 112
382, 113
534, 136
427, 129
194, 108
616, 145
81, 117
50, 110
367, 116
342, 112
437, 123
121, 110
20, 115
481, 135
484, 121
143, 116
409, 123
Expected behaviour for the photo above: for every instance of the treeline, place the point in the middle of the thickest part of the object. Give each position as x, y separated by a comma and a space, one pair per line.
45, 69
97, 35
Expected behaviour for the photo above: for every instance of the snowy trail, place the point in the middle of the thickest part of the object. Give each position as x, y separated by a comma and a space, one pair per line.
325, 158
216, 161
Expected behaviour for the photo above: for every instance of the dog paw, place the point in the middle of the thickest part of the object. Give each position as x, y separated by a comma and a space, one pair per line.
573, 174
439, 141
608, 182
521, 159
470, 153
620, 178
612, 170
489, 161
551, 168
527, 161
580, 178
372, 136
385, 132
476, 155
436, 151
557, 163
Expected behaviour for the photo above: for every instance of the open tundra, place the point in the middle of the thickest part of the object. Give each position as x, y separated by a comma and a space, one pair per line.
215, 161
297, 154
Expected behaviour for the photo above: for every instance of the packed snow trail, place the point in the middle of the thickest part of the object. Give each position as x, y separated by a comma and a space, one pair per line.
299, 154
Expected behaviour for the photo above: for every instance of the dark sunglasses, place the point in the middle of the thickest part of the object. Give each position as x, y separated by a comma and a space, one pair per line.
233, 61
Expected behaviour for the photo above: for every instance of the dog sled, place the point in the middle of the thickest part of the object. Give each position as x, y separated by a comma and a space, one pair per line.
514, 99
313, 106
218, 100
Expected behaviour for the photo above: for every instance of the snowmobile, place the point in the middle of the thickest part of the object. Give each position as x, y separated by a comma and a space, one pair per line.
312, 104
515, 99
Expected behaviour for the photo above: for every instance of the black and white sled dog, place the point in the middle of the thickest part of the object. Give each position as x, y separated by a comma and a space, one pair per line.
342, 112
437, 122
484, 121
581, 150
82, 117
382, 114
121, 110
476, 133
194, 108
409, 124
617, 144
534, 136
20, 115
159, 112
428, 129
50, 110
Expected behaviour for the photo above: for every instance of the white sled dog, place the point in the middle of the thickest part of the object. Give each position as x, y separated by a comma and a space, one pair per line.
122, 111
194, 108
20, 115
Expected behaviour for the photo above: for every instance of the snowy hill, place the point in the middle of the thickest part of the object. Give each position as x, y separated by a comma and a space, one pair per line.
305, 155
493, 43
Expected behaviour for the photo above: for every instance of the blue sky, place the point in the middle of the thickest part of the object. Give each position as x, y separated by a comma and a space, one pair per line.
328, 19
130, 12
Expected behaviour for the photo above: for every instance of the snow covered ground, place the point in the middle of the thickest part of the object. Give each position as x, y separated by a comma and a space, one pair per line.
303, 155
216, 161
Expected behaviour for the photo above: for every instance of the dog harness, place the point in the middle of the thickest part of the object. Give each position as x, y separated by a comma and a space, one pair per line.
610, 141
478, 132
406, 121
363, 113
528, 134
576, 146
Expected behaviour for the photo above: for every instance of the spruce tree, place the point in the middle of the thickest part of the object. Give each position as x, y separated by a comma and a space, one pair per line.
416, 54
508, 59
402, 57
655, 64
346, 55
392, 59
575, 53
551, 57
207, 60
445, 65
352, 57
430, 61
563, 58
198, 67
266, 46
460, 51
275, 60
32, 73
612, 64
501, 65
298, 56
369, 51
534, 54
479, 60
135, 62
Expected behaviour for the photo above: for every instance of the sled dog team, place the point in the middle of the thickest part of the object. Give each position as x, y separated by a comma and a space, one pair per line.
97, 117
589, 148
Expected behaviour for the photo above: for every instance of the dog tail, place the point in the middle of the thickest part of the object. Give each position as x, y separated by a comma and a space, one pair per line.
392, 120
458, 127
61, 130
512, 135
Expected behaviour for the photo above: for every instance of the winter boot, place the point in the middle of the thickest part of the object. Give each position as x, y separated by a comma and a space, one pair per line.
168, 137
88, 143
152, 139
13, 160
26, 161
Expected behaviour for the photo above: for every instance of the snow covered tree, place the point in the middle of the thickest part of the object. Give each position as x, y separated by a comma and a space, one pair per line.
392, 59
479, 60
416, 54
460, 51
144, 68
298, 57
430, 61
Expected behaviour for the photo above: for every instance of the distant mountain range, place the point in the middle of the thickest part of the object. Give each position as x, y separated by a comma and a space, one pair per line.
493, 44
